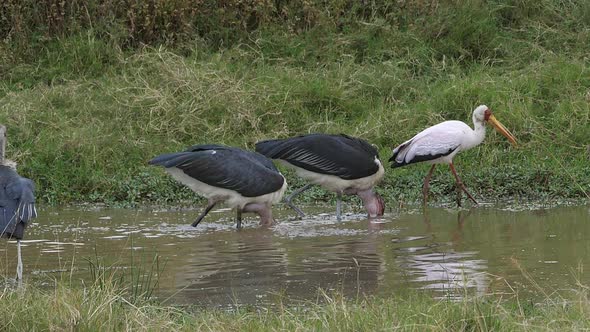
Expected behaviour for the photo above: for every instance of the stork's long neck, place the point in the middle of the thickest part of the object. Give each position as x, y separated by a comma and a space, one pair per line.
2, 148
478, 134
3, 160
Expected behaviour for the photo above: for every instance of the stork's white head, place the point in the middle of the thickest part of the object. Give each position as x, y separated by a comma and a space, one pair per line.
479, 114
482, 114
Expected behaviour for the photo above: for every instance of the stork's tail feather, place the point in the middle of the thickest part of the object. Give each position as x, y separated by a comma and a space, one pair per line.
162, 159
399, 155
269, 147
170, 159
26, 212
393, 157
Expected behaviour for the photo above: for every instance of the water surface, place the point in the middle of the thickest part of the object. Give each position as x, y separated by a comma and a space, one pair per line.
490, 249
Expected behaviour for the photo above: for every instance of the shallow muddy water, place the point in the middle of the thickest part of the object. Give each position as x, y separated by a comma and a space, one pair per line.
490, 249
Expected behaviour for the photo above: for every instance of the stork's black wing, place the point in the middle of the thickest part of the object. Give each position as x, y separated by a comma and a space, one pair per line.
17, 203
339, 155
253, 156
245, 172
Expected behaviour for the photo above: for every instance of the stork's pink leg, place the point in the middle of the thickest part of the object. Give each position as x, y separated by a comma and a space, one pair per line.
426, 186
461, 185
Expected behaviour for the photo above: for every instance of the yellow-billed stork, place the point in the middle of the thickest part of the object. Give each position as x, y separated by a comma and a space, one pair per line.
440, 143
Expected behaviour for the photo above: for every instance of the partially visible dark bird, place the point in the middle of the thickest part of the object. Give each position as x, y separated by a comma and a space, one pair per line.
242, 179
17, 202
338, 163
440, 143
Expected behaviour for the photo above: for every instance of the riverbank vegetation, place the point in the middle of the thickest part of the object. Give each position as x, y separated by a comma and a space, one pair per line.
106, 307
91, 91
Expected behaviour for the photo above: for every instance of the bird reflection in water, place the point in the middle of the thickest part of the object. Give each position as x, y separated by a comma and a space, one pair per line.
445, 269
256, 266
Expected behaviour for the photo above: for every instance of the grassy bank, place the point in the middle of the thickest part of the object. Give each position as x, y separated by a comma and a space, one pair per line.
88, 103
109, 309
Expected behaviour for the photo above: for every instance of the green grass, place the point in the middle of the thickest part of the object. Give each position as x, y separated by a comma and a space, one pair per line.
108, 308
85, 111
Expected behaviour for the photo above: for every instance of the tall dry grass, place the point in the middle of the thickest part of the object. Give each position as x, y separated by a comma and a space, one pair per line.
107, 308
86, 107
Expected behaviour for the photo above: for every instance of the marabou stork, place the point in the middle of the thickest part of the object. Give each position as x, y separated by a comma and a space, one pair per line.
338, 163
245, 180
17, 202
440, 143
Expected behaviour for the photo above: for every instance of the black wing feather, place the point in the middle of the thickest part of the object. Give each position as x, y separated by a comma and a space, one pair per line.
247, 154
340, 155
420, 158
247, 173
401, 149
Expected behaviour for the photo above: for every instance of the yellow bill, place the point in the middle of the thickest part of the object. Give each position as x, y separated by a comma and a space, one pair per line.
501, 129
